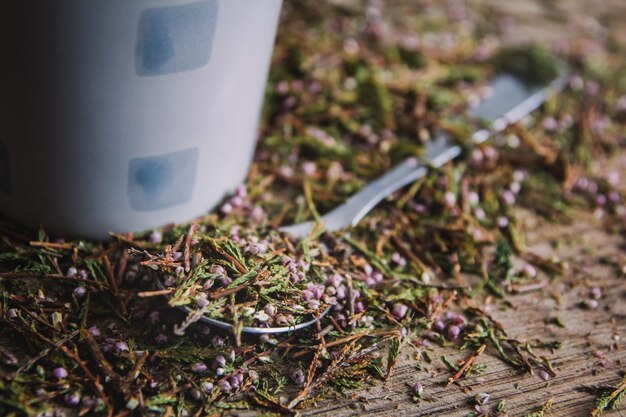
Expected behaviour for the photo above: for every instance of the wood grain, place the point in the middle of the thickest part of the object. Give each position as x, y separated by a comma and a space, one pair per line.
586, 248
595, 258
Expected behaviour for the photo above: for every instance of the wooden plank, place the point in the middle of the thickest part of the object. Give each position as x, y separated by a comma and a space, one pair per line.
586, 332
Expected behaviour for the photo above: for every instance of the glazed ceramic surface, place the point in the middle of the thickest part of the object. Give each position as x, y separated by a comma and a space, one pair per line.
123, 115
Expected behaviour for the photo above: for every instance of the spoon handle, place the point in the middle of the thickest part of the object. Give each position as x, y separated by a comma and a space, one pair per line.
358, 205
439, 151
511, 100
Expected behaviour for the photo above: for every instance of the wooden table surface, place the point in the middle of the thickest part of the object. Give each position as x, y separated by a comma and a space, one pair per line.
591, 352
588, 336
595, 258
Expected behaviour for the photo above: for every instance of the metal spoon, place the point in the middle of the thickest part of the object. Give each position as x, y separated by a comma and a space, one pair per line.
248, 329
510, 101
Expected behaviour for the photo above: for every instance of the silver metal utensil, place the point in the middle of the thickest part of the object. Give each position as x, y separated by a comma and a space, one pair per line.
249, 329
510, 100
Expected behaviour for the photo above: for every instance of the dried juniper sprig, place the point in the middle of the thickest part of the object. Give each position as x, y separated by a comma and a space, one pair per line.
467, 366
609, 398
543, 410
485, 332
267, 282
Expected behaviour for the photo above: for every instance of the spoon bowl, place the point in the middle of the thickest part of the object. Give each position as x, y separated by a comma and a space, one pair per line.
250, 329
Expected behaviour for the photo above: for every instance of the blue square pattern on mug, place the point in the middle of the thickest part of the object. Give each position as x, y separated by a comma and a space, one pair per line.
162, 181
5, 172
175, 38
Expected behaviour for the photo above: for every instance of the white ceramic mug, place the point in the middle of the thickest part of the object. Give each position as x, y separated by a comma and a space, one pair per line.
123, 115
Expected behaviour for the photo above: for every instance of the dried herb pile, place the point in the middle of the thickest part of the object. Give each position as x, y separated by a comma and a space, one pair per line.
354, 89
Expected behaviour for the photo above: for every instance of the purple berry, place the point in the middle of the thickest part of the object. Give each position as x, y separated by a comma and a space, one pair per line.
439, 326
397, 259
154, 318
482, 398
334, 280
550, 124
449, 199
476, 156
507, 198
453, 332
241, 191
316, 290
196, 394
198, 367
202, 301
11, 314
72, 399
218, 270
309, 168
418, 388
59, 373
121, 347
79, 292
340, 292
130, 277
89, 402
235, 381
270, 310
219, 362
490, 152
156, 237
399, 310
529, 271
596, 293
257, 214
225, 387
502, 222
298, 377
